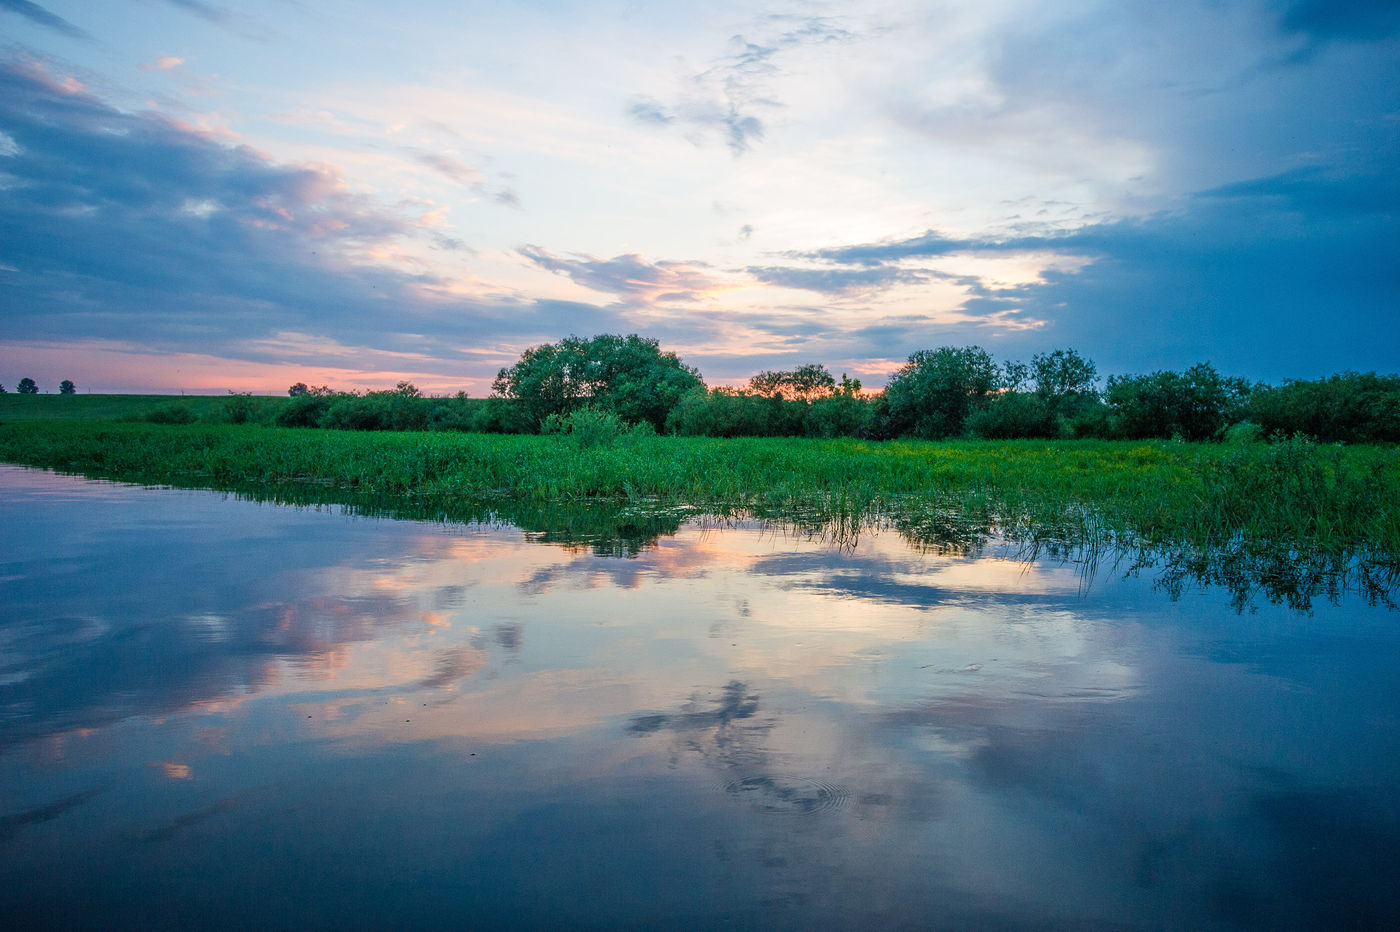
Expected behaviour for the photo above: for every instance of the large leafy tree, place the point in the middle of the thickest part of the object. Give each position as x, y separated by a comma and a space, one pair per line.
66, 387
629, 376
26, 386
932, 395
1064, 380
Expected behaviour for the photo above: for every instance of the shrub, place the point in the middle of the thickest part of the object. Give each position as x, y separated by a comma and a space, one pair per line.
1349, 408
1014, 415
589, 426
1195, 404
170, 414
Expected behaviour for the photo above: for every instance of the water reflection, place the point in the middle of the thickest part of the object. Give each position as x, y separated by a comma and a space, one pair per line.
213, 710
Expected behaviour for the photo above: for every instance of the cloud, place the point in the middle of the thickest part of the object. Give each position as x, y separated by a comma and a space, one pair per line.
204, 11
629, 276
838, 281
727, 99
165, 63
447, 166
37, 14
132, 227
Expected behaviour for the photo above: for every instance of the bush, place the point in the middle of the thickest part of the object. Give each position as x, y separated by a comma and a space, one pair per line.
1244, 432
170, 414
592, 426
1346, 408
304, 410
1195, 404
1013, 416
238, 409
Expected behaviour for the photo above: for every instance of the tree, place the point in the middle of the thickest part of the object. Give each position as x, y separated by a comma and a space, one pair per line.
627, 376
27, 387
1063, 380
1196, 404
933, 394
298, 390
66, 387
805, 383
2, 390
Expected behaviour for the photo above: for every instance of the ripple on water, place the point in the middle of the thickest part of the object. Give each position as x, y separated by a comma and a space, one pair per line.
788, 794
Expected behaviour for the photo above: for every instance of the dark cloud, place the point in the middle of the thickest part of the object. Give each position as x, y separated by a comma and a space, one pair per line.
37, 14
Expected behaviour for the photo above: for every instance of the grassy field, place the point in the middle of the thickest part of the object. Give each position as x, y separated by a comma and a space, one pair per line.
1326, 498
17, 407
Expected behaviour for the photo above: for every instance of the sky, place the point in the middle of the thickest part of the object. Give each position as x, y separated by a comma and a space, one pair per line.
205, 196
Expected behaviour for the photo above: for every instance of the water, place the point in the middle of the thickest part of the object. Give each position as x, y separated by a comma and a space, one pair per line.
217, 712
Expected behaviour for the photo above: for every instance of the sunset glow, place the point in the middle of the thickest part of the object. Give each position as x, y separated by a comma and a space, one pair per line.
197, 197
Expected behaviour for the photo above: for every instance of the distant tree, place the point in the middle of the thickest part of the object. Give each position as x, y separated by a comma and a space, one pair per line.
936, 390
2, 390
298, 390
628, 376
805, 383
27, 387
66, 387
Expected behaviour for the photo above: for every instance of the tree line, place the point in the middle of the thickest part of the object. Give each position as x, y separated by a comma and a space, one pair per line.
613, 383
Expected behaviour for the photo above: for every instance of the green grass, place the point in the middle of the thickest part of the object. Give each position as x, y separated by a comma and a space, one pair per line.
1314, 498
16, 407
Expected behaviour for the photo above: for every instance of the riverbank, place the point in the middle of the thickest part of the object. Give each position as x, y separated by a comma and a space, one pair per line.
1327, 498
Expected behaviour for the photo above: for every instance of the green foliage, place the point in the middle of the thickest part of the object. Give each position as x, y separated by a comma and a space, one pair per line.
304, 410
805, 383
400, 408
26, 386
628, 376
935, 392
171, 414
66, 387
239, 407
1014, 416
1349, 407
1196, 404
592, 426
1243, 432
1064, 381
1313, 498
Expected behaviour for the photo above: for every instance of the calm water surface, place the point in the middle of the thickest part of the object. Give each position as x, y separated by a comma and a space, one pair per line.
218, 712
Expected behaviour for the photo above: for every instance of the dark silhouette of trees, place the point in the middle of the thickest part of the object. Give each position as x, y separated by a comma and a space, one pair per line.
298, 390
66, 387
26, 386
805, 383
